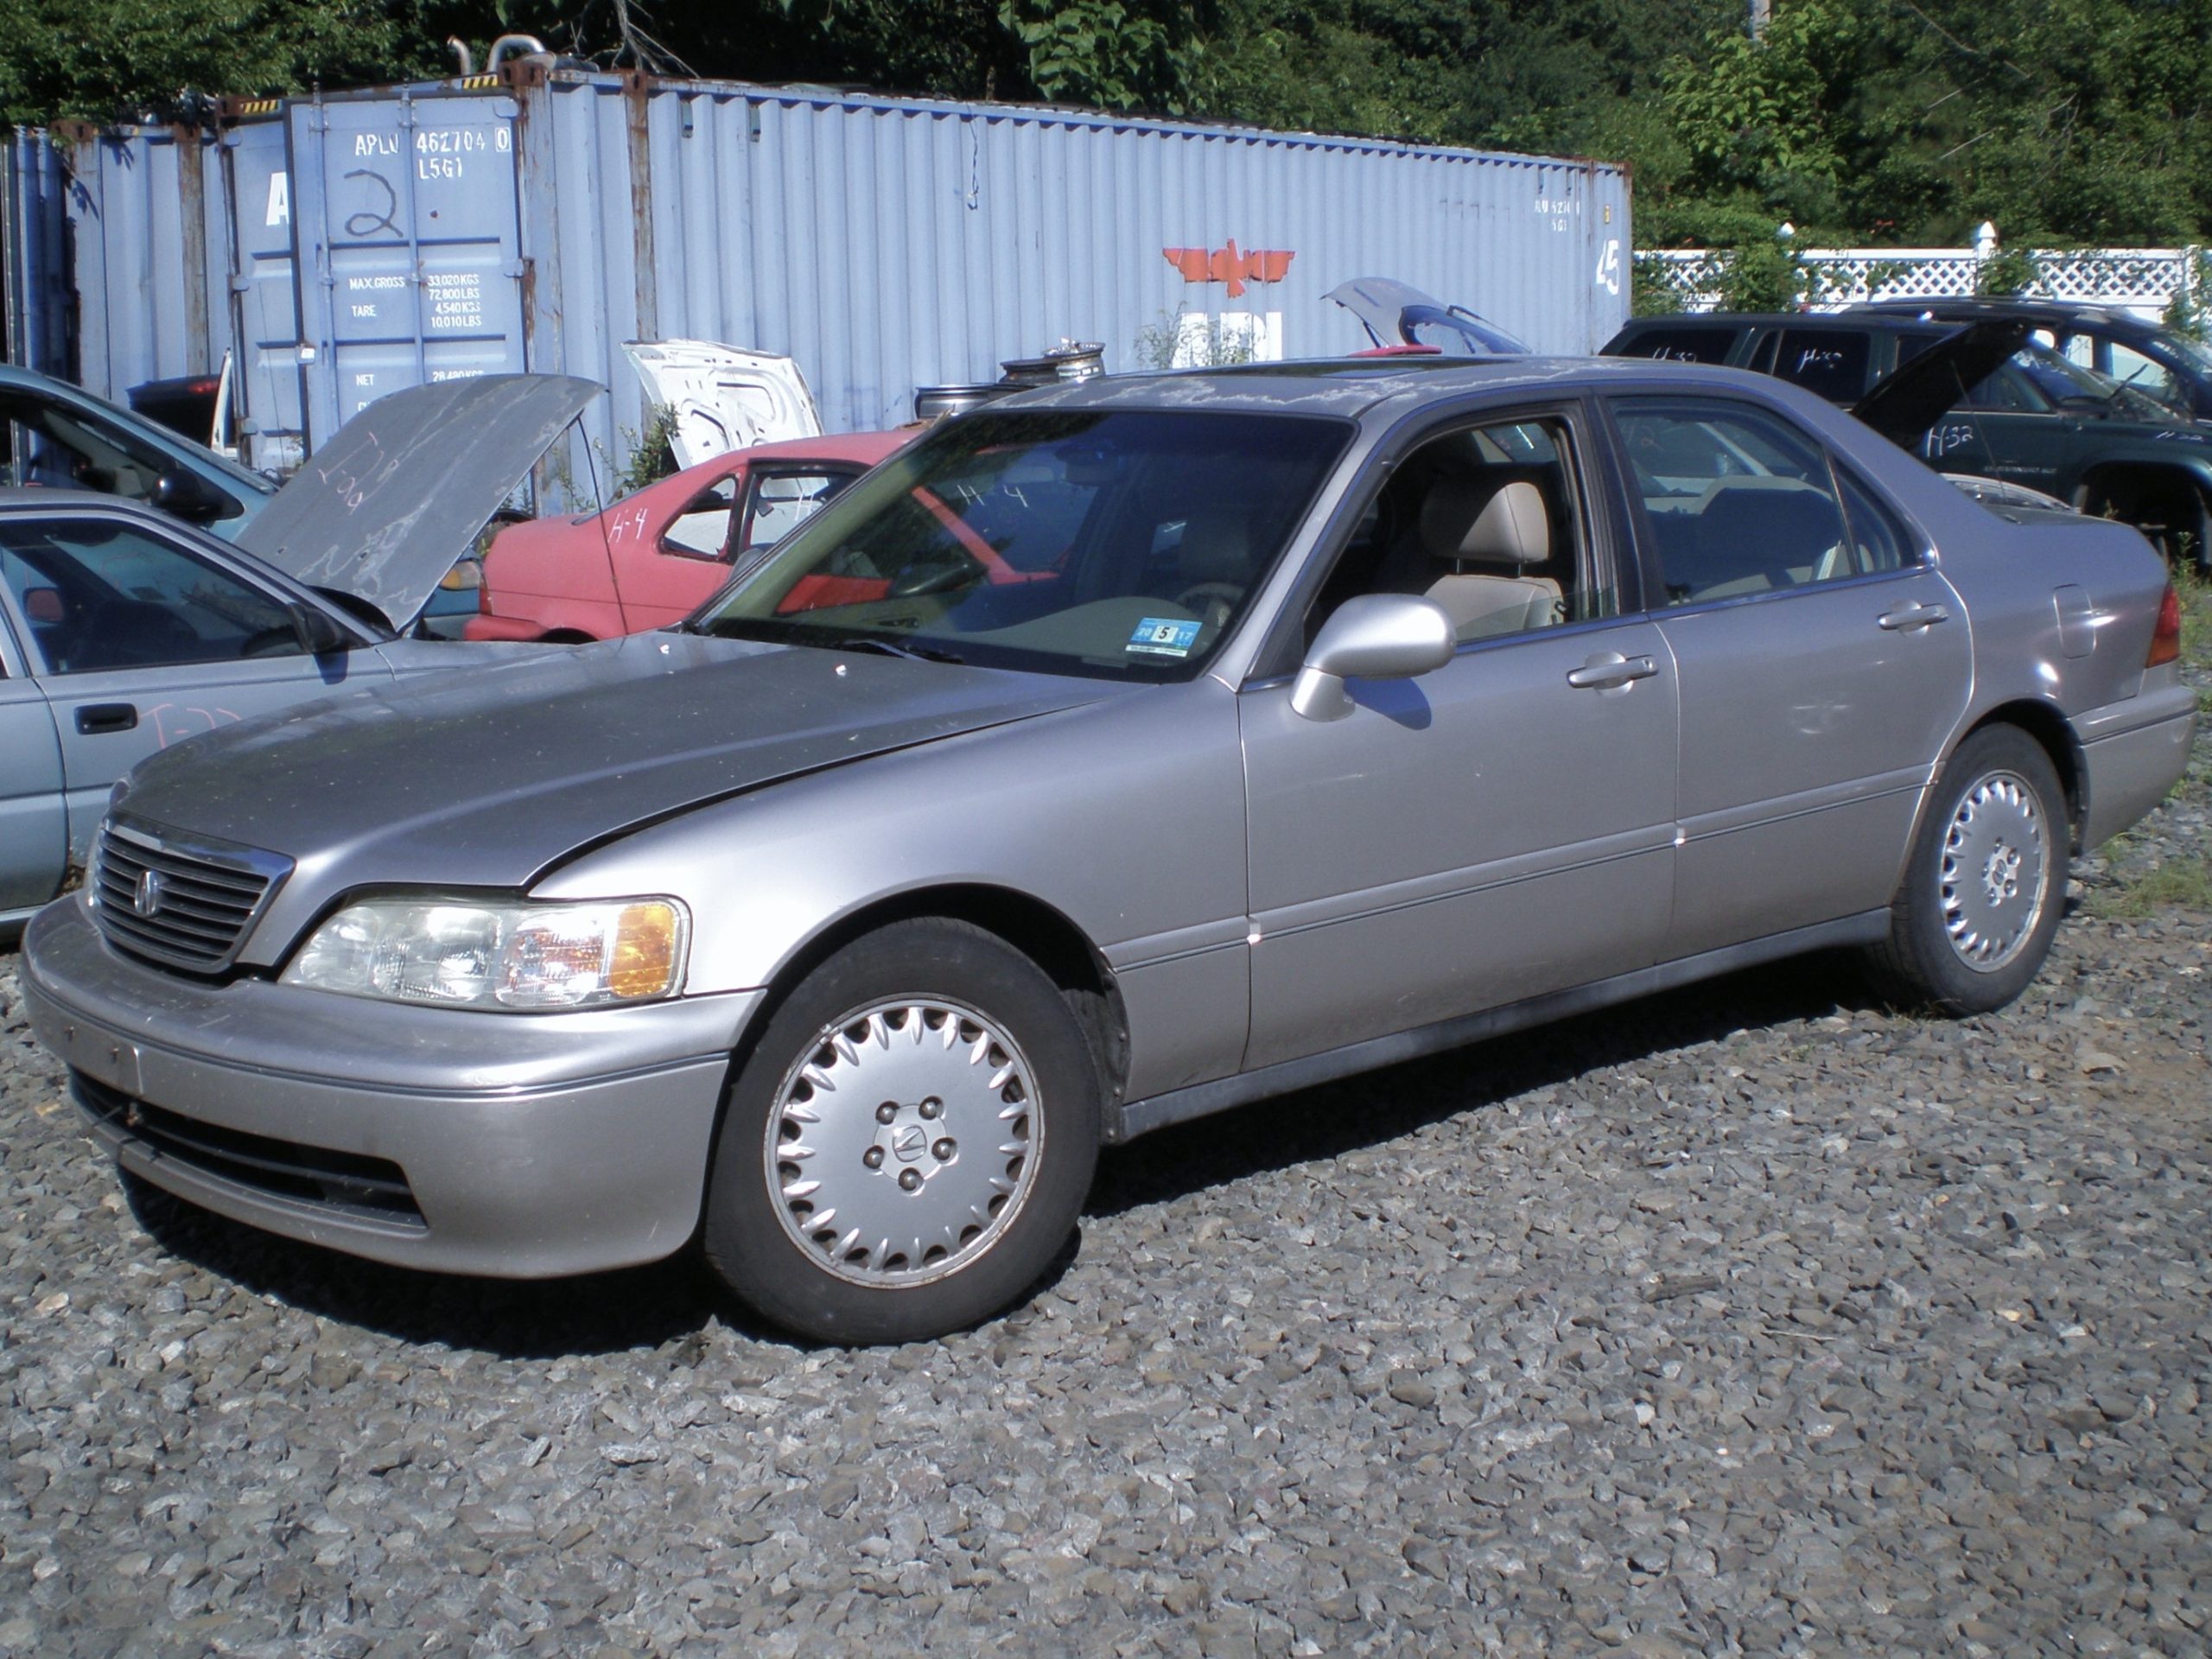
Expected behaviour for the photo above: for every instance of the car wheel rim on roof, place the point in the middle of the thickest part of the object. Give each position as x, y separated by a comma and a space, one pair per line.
904, 1142
1996, 871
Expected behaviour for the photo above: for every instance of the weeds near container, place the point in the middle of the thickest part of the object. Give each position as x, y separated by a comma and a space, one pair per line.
1189, 339
652, 452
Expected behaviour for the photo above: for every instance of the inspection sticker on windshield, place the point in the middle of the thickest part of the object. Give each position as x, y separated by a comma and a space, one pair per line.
1163, 636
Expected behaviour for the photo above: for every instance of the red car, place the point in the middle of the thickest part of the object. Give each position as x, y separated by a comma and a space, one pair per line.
654, 558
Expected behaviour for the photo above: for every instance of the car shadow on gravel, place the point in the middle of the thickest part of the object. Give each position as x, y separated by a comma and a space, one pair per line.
671, 1305
631, 1309
674, 1304
1331, 1119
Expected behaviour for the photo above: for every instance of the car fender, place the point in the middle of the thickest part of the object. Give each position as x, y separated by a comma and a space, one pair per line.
1125, 817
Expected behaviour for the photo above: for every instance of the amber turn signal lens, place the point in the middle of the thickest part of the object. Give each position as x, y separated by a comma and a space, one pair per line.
645, 942
2165, 638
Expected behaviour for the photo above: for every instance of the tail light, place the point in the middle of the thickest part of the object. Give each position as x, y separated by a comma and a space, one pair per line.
2165, 638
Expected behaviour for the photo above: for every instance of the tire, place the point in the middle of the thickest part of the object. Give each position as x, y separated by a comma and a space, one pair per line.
1985, 886
905, 1198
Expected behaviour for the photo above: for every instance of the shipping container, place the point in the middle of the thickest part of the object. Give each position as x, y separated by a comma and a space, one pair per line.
36, 302
541, 219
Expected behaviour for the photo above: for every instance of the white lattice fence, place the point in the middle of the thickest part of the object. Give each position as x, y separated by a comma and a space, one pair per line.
2142, 280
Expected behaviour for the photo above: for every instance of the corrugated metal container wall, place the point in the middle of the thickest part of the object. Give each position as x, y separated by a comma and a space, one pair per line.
886, 244
264, 303
362, 241
35, 276
183, 247
152, 285
406, 237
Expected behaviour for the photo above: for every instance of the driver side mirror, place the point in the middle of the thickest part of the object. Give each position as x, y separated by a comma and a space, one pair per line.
1373, 637
319, 635
189, 497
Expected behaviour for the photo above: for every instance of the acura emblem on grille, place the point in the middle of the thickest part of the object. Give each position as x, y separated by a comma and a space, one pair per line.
147, 901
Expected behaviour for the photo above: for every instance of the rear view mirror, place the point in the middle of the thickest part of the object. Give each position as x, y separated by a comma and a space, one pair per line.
1374, 637
189, 497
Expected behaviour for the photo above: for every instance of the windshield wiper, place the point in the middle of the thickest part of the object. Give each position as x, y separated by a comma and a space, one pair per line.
728, 627
892, 648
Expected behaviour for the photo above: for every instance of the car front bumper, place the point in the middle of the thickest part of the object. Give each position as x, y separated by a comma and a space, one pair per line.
519, 1145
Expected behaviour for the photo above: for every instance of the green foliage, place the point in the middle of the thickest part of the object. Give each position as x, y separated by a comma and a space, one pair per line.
2005, 274
1102, 53
92, 59
1762, 275
1652, 289
2190, 311
652, 452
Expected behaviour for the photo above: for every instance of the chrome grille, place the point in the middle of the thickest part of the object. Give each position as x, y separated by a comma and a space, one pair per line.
181, 902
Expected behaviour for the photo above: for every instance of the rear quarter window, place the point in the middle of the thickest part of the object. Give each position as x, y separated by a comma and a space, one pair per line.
1829, 363
1680, 344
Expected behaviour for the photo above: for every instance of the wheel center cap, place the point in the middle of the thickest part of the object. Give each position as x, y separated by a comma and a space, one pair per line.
910, 1143
2000, 875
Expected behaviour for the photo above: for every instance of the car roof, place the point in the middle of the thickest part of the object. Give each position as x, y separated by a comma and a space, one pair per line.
1348, 387
865, 447
1872, 321
1983, 305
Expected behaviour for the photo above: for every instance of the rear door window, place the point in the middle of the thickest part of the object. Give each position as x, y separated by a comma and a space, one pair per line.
1737, 502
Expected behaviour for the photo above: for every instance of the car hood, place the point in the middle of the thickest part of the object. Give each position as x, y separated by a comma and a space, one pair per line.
488, 778
1391, 310
384, 509
1907, 401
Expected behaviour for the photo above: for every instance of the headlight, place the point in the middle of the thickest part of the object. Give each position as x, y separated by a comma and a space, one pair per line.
514, 958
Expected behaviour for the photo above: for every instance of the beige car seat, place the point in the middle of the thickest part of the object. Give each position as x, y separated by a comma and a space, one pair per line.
1490, 534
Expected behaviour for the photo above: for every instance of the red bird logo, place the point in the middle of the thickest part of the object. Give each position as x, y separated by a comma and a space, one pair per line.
1231, 265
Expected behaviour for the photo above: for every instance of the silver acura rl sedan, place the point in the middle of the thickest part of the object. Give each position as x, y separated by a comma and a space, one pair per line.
1120, 754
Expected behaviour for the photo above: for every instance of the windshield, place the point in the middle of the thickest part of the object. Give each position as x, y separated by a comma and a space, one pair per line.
1113, 543
2064, 382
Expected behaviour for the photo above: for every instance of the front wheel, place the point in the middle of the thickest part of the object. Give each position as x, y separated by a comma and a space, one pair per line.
1983, 896
909, 1143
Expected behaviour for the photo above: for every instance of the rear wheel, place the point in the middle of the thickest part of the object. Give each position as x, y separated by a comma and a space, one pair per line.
1983, 896
908, 1145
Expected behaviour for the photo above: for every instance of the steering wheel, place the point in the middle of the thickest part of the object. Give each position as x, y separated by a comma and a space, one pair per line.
935, 576
1212, 602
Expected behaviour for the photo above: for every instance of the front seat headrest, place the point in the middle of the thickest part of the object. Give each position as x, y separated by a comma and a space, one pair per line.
1486, 523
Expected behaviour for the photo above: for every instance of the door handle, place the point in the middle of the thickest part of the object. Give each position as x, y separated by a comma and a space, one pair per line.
1912, 617
96, 719
1610, 670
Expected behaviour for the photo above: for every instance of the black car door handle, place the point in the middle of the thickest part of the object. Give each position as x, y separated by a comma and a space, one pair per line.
1914, 616
96, 719
1609, 669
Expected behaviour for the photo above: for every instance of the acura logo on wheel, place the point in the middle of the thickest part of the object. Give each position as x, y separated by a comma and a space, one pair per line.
147, 901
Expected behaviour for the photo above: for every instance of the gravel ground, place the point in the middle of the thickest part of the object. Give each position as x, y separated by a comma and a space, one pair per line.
1752, 1319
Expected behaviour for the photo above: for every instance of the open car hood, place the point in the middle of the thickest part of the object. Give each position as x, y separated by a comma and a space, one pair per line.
723, 397
384, 509
1907, 401
1396, 314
